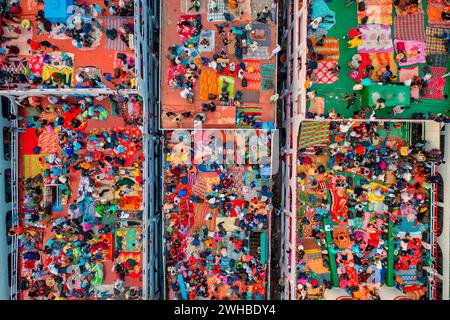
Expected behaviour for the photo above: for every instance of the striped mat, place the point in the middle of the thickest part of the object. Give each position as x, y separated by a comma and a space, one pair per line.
32, 166
249, 111
116, 23
330, 48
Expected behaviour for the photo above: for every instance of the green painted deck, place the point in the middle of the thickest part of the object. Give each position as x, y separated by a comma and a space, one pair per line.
334, 93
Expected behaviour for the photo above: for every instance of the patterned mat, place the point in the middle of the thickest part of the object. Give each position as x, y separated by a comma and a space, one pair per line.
268, 74
207, 42
249, 111
185, 32
322, 73
116, 23
411, 27
262, 53
436, 85
330, 48
313, 133
375, 39
434, 45
253, 75
437, 60
217, 16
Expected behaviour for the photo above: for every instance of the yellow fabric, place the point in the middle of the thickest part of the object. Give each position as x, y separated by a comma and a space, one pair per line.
404, 151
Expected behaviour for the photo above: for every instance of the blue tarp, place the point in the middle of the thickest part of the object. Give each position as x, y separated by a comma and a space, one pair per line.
320, 9
56, 10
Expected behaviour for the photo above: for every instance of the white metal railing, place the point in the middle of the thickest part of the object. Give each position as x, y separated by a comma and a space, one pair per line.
66, 91
296, 101
433, 239
14, 261
139, 19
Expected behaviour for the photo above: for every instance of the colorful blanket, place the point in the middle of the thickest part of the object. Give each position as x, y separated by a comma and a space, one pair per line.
232, 44
253, 75
32, 165
130, 203
238, 179
108, 252
201, 210
375, 39
411, 27
413, 50
230, 81
129, 240
254, 112
309, 214
320, 9
206, 42
133, 258
268, 75
433, 44
172, 72
208, 84
436, 85
377, 11
437, 60
379, 61
313, 133
48, 141
322, 73
434, 12
216, 15
115, 23
57, 63
36, 64
330, 48
29, 141
186, 32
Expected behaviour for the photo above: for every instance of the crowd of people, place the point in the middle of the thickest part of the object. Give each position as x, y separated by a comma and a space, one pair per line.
416, 60
72, 246
217, 60
35, 51
216, 219
364, 195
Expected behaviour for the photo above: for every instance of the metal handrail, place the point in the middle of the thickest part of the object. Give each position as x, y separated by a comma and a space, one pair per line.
15, 201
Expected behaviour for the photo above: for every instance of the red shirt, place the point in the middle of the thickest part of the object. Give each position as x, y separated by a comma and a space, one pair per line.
353, 33
34, 45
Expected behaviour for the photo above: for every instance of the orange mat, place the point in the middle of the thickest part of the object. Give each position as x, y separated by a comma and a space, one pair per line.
208, 84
